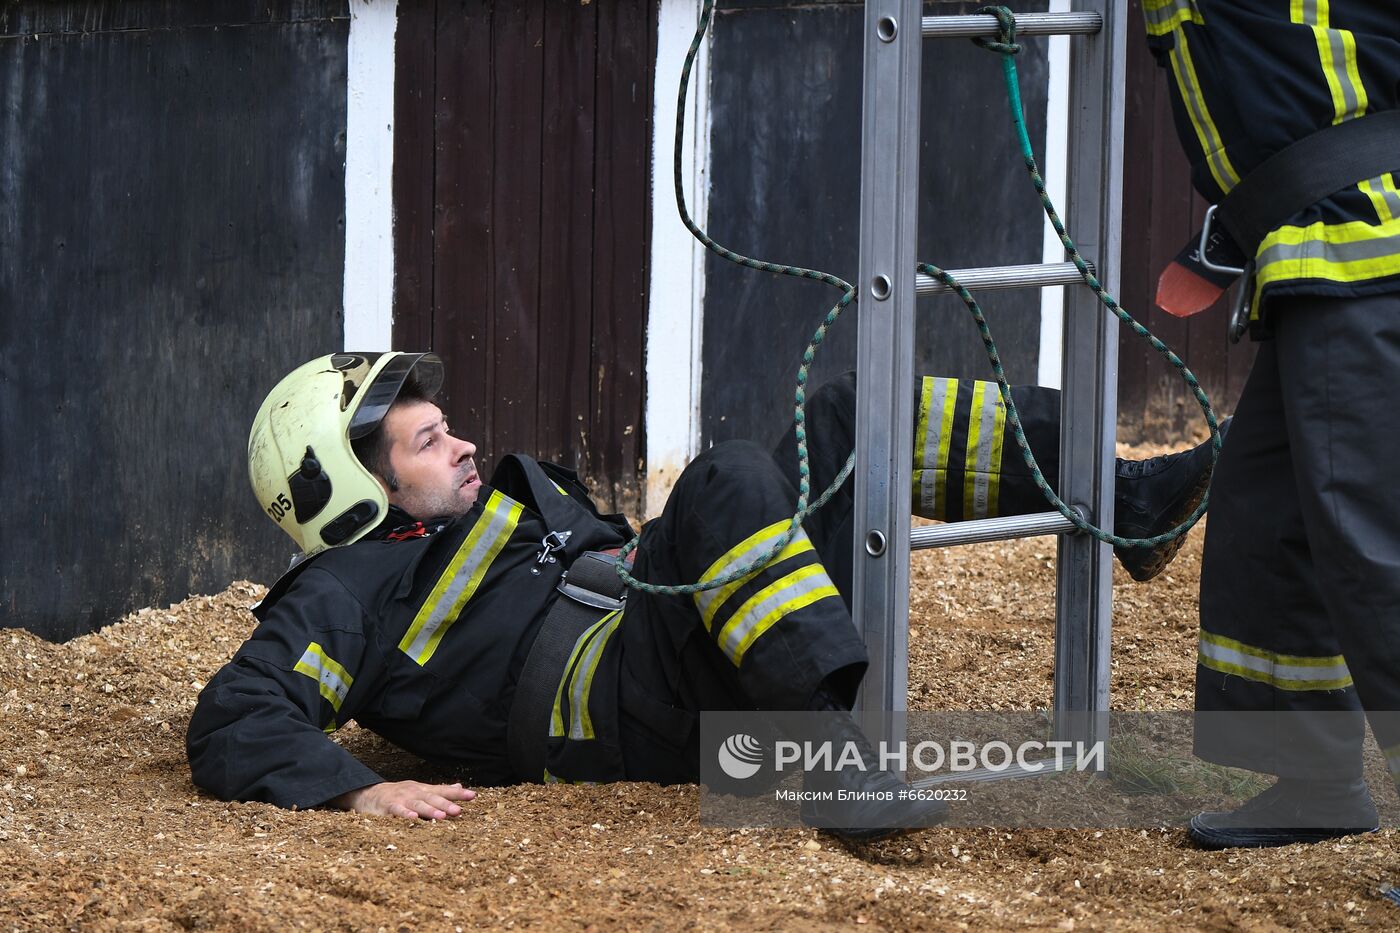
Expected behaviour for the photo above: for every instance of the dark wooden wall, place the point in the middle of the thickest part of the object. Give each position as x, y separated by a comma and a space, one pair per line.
785, 175
1160, 213
171, 243
785, 164
522, 222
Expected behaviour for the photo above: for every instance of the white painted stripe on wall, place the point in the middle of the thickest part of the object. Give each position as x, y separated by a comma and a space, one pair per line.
676, 312
1052, 300
369, 176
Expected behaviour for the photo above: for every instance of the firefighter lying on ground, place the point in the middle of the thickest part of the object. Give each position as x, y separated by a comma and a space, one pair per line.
419, 609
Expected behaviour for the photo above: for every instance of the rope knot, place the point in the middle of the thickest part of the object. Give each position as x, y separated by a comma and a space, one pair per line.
1005, 42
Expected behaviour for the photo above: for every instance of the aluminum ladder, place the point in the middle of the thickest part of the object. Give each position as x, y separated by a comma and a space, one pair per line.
888, 288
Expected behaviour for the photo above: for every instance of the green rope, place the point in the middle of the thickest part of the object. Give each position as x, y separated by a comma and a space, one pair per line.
1005, 45
1007, 48
799, 417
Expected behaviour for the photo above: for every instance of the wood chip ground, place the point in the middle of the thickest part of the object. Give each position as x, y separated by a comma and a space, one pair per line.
100, 827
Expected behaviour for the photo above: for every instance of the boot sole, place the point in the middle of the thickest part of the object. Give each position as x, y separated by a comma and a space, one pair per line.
1211, 837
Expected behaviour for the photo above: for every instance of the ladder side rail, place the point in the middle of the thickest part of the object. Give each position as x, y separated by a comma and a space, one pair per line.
1090, 376
885, 357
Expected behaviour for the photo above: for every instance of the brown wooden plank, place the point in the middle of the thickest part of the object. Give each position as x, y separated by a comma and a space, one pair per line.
517, 35
414, 75
1137, 282
463, 246
622, 229
566, 231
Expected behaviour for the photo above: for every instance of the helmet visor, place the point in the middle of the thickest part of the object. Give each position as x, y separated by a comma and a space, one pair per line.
379, 395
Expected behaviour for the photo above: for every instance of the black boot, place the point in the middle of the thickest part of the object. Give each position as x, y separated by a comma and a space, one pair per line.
1293, 810
1154, 496
863, 805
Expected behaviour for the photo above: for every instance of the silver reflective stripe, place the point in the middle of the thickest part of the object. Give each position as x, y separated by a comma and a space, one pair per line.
709, 601
770, 602
583, 678
1212, 146
1160, 16
1317, 249
1340, 76
1277, 671
934, 444
1382, 192
466, 569
986, 437
334, 679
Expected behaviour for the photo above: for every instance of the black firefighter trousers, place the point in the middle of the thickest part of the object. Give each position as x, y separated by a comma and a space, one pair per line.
1300, 587
771, 640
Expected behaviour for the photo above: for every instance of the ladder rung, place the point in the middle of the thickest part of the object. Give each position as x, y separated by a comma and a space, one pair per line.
1035, 275
1027, 24
989, 529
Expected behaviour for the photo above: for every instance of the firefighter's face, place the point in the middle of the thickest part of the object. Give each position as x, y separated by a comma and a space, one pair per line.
434, 471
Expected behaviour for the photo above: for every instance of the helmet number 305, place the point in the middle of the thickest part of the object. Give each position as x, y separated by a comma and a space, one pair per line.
279, 507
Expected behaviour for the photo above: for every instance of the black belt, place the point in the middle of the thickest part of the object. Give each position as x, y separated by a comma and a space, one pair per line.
589, 590
1303, 173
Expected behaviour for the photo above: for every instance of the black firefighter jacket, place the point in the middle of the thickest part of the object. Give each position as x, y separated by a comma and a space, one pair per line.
420, 639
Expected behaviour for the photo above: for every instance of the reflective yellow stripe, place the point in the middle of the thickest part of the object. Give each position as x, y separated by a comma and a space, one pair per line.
334, 680
765, 608
982, 462
580, 722
709, 602
945, 442
578, 678
1353, 251
1163, 16
1336, 52
1282, 671
1212, 146
1384, 198
971, 456
994, 468
938, 401
464, 573
556, 722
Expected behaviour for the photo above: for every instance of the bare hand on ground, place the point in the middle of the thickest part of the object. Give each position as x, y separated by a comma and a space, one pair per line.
408, 799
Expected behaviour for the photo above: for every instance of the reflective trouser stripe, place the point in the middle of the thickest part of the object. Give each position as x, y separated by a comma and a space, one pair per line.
334, 680
735, 629
934, 461
710, 601
1336, 52
577, 680
938, 400
982, 464
1212, 145
1282, 671
770, 605
464, 573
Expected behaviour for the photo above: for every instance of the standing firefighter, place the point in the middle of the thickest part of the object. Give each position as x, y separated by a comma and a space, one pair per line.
429, 607
1288, 111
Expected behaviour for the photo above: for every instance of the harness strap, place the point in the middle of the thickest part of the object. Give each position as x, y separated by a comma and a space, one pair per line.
1305, 172
589, 590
